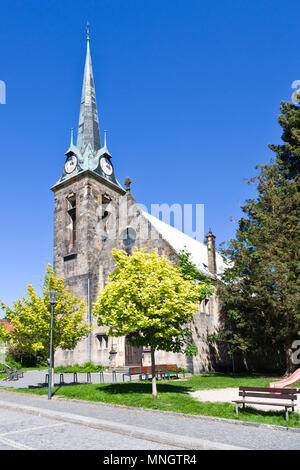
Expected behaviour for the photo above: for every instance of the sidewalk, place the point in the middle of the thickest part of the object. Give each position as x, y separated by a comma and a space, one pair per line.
185, 431
37, 378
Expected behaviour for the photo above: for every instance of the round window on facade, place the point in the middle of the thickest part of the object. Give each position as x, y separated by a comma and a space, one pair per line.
128, 237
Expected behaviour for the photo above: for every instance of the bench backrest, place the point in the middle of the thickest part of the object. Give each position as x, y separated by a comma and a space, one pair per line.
170, 367
148, 369
159, 368
134, 370
264, 392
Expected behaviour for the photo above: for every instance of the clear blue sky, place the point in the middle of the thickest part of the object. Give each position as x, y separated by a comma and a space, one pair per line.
188, 89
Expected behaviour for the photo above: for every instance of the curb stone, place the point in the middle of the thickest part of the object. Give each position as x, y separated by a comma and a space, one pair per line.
171, 413
176, 440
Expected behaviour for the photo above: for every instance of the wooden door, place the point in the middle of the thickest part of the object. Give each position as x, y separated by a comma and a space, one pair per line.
133, 355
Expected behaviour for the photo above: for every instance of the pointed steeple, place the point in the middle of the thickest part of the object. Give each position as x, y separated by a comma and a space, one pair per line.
88, 127
88, 154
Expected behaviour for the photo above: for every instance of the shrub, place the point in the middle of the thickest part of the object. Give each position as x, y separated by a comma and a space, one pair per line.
86, 367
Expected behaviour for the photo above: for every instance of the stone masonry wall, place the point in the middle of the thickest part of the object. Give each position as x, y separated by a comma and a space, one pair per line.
96, 238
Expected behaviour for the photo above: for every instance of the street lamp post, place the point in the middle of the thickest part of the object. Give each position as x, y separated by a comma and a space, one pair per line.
53, 294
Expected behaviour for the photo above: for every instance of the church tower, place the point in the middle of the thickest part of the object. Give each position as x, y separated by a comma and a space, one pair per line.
93, 215
85, 190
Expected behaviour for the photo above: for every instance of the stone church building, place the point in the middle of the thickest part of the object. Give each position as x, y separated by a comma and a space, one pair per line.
94, 214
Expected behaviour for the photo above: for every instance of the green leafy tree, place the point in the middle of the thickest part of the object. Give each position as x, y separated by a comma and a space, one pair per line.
148, 300
31, 316
4, 333
187, 268
261, 289
189, 271
288, 153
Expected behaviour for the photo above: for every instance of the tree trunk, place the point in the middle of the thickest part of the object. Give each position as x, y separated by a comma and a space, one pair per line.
245, 362
154, 388
289, 363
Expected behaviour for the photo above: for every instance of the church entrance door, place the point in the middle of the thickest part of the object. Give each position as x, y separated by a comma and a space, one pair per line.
133, 355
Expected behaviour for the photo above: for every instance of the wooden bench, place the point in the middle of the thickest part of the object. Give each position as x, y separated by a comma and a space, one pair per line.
172, 369
133, 371
267, 394
161, 370
146, 370
143, 370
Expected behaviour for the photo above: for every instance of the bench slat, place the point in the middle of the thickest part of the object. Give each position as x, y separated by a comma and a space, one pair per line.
265, 389
149, 369
133, 370
286, 405
268, 395
170, 367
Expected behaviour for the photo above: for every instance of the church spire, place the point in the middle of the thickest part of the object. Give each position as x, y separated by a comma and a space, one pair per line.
88, 127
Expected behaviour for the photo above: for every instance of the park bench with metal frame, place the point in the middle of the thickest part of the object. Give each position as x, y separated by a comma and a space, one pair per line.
159, 371
133, 371
13, 374
172, 369
9, 372
20, 374
140, 371
267, 393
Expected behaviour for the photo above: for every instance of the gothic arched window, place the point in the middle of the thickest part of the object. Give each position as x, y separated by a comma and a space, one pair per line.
128, 237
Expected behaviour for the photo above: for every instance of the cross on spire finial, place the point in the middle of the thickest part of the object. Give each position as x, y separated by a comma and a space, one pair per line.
88, 126
127, 183
87, 31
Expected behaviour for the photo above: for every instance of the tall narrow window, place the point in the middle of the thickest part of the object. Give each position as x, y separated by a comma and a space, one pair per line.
102, 341
72, 214
105, 201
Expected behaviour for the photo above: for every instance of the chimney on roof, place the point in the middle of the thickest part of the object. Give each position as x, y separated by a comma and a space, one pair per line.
211, 253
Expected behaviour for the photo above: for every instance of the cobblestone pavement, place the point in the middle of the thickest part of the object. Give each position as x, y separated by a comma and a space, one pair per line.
179, 426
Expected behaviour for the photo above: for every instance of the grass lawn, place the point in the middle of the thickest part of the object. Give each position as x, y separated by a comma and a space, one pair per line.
173, 396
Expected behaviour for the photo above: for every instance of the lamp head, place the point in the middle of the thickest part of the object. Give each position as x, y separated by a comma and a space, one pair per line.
53, 294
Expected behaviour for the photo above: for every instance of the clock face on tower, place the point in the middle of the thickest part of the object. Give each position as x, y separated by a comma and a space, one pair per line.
70, 164
106, 166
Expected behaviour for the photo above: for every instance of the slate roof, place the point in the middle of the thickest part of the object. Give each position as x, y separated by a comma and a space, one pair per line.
179, 241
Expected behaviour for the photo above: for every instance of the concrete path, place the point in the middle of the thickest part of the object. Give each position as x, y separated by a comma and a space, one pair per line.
37, 378
230, 394
182, 431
